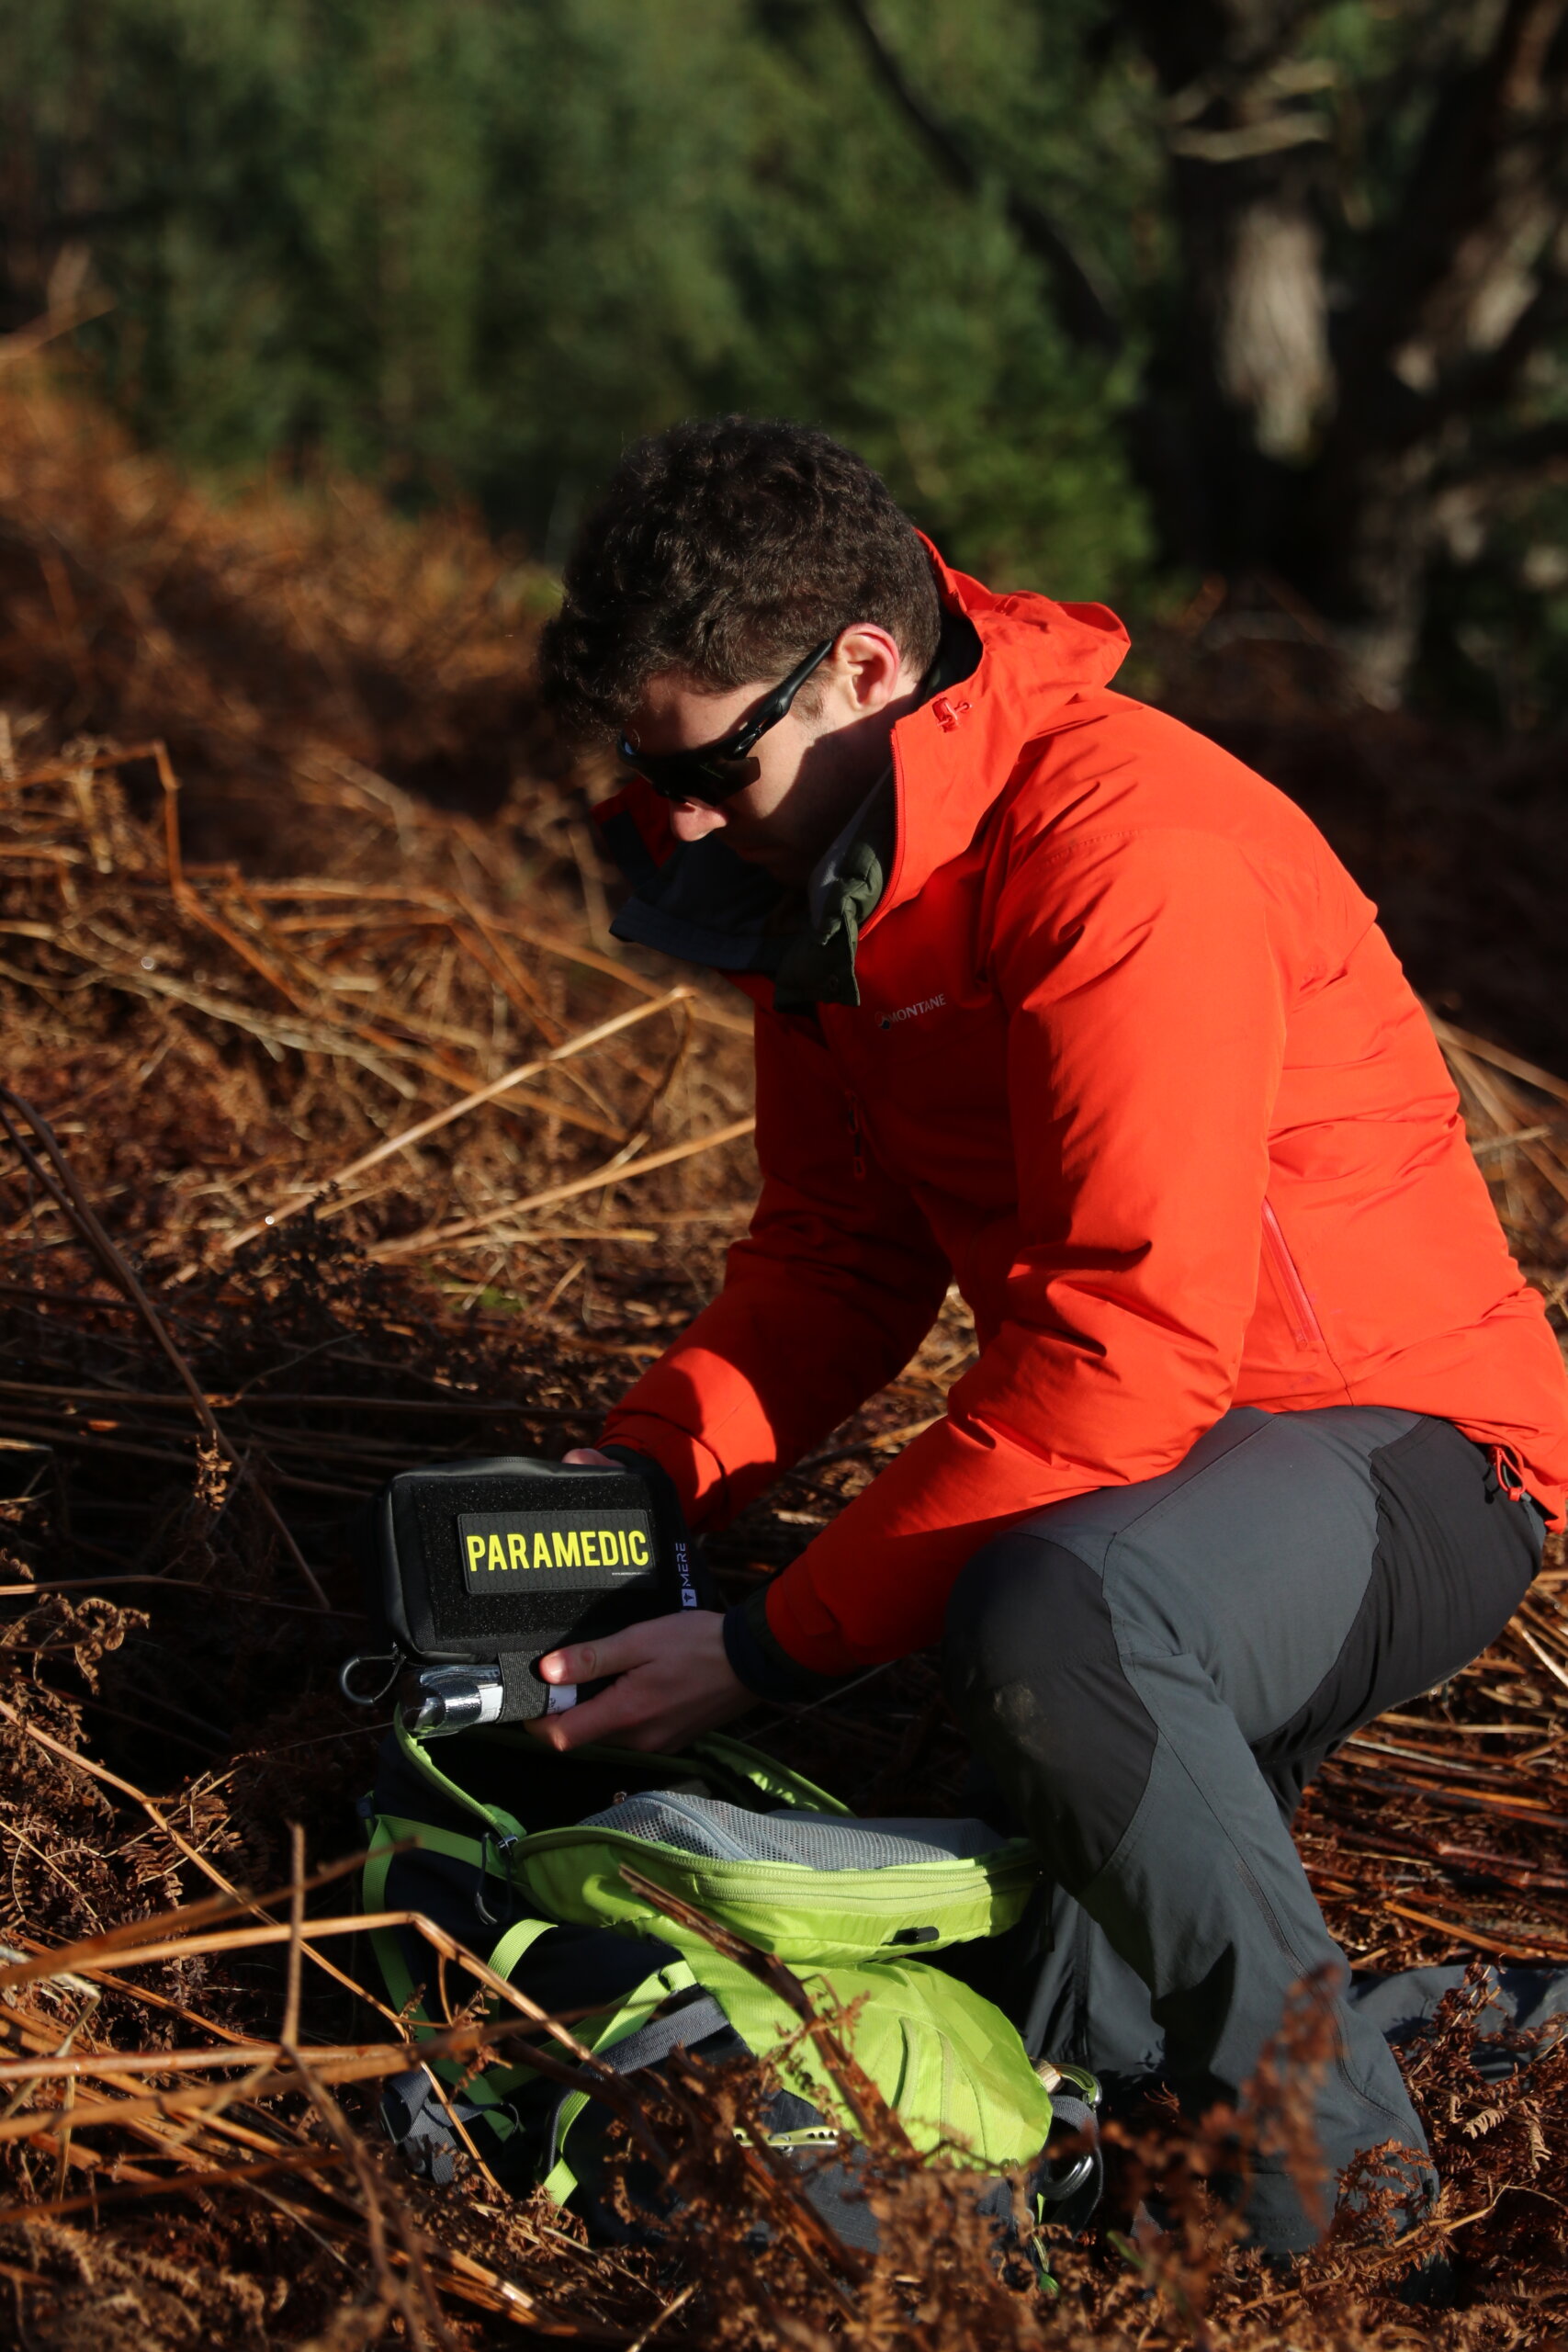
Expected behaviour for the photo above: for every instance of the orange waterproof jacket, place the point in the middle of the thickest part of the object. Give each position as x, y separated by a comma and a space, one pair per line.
1135, 1068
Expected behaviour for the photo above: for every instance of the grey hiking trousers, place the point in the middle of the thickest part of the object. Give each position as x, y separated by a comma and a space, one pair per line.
1153, 1673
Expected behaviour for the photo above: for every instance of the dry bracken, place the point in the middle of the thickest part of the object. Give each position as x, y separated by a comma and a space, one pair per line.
338, 1135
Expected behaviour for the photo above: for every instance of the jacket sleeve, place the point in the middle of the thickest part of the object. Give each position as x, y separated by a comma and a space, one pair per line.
1145, 1037
824, 1303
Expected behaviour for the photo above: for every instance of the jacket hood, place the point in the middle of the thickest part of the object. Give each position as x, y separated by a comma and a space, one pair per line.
953, 755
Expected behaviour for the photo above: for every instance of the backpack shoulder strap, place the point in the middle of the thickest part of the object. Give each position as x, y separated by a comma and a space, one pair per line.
515, 1942
647, 2045
680, 2028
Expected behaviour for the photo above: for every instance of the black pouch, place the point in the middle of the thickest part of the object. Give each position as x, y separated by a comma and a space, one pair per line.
476, 1569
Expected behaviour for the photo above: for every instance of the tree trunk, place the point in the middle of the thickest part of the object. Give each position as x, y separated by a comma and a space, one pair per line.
1339, 459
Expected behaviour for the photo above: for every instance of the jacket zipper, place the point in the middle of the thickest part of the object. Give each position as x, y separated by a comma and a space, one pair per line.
1308, 1330
857, 1135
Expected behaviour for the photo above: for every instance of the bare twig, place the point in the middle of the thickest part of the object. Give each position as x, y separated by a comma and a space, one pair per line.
60, 1184
302, 1199
442, 1237
291, 2032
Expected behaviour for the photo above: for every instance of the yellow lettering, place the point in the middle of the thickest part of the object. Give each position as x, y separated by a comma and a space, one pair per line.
590, 1551
516, 1549
541, 1549
475, 1552
638, 1545
497, 1554
569, 1550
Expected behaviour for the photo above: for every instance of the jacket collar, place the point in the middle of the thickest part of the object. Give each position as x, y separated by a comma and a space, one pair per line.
953, 756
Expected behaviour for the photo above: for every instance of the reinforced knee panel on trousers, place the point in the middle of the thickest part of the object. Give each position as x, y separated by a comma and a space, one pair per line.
851, 1906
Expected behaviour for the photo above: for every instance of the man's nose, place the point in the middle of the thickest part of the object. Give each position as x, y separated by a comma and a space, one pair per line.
690, 819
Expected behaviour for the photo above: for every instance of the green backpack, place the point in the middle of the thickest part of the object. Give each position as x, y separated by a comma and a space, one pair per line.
518, 1853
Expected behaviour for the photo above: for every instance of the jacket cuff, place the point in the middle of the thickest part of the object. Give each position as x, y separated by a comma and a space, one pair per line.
696, 1587
759, 1659
693, 1470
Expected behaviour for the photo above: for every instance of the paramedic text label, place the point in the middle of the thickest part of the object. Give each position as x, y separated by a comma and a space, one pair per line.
545, 1551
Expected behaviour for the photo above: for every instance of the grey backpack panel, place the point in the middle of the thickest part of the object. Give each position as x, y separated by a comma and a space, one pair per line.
817, 1841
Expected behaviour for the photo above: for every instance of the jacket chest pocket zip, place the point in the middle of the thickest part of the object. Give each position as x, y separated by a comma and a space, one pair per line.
1307, 1329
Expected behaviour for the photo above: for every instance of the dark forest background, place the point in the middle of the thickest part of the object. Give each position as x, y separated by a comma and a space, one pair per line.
1123, 295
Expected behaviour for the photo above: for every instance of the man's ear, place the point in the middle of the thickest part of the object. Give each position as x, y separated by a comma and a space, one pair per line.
868, 663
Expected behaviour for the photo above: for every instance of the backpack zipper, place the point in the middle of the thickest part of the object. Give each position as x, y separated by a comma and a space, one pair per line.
1001, 1870
1308, 1331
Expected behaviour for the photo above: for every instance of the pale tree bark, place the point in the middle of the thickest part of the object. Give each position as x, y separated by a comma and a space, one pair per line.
1271, 352
1244, 140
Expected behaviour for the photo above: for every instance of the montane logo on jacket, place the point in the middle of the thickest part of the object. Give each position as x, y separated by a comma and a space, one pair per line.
910, 1012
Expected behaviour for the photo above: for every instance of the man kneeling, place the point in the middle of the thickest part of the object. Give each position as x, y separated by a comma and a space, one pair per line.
1057, 1001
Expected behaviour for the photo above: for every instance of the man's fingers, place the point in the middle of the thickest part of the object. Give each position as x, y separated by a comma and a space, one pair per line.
669, 1677
589, 1662
616, 1654
601, 1718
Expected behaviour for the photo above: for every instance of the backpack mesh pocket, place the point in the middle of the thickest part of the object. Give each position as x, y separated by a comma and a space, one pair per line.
719, 1832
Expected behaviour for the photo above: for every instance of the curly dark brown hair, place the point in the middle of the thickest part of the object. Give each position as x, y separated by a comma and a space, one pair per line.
726, 549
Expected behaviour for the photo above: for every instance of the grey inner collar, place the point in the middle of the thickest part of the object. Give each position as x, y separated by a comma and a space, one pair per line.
824, 888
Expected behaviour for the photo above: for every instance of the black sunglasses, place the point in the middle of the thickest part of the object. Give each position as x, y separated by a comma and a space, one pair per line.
714, 770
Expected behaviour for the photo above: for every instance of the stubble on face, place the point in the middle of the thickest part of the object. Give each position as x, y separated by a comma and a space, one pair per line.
784, 819
811, 770
785, 836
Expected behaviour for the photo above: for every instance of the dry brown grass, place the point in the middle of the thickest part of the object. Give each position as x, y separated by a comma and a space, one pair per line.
233, 976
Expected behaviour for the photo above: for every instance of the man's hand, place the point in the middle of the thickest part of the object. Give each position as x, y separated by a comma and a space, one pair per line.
672, 1680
